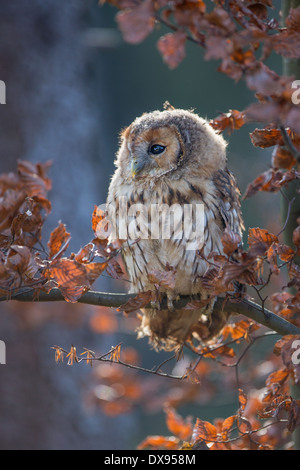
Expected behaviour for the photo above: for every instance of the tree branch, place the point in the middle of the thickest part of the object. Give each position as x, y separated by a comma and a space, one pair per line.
247, 308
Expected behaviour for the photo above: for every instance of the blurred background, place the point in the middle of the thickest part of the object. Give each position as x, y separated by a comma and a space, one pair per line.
71, 85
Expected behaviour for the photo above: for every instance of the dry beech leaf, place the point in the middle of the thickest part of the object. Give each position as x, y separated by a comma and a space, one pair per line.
172, 48
177, 425
58, 241
137, 23
139, 301
204, 431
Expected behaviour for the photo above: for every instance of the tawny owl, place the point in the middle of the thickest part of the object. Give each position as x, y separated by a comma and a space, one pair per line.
172, 158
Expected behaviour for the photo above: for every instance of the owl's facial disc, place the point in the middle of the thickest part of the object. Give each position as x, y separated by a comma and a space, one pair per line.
154, 151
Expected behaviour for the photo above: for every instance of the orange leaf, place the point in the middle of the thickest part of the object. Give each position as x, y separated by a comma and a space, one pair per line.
177, 425
285, 253
227, 425
58, 242
230, 241
260, 240
172, 48
141, 300
232, 120
282, 158
204, 431
94, 270
159, 442
242, 399
137, 23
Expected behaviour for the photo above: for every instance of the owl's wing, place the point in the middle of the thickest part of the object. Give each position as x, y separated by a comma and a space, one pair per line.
228, 195
230, 209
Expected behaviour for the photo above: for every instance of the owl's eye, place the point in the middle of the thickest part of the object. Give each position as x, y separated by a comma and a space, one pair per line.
156, 149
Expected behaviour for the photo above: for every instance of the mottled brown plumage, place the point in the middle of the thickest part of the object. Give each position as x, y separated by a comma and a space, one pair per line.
174, 157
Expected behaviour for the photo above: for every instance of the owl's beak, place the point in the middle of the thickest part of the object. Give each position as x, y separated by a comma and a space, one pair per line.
136, 167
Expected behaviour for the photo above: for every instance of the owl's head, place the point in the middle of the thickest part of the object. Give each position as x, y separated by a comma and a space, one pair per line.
169, 143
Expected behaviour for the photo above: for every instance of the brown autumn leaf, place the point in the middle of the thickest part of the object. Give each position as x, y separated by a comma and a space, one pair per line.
242, 399
85, 254
266, 137
58, 241
272, 258
68, 273
275, 380
296, 236
192, 376
293, 19
94, 270
223, 350
230, 241
137, 23
159, 443
269, 137
177, 425
271, 181
172, 48
285, 253
97, 216
264, 80
260, 240
114, 269
18, 258
245, 271
100, 224
227, 425
204, 431
287, 43
294, 275
186, 14
231, 121
287, 347
282, 158
281, 298
34, 179
239, 329
293, 416
139, 301
165, 279
11, 202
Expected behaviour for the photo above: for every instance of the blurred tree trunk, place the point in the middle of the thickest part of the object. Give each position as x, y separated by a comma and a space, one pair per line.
55, 111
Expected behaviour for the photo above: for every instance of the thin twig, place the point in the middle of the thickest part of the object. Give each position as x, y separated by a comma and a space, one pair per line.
289, 143
176, 29
289, 207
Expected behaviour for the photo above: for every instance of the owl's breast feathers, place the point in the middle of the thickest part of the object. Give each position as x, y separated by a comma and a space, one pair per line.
219, 198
